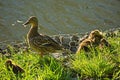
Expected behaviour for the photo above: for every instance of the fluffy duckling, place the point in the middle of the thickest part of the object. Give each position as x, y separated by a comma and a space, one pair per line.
85, 44
95, 36
39, 42
104, 42
15, 68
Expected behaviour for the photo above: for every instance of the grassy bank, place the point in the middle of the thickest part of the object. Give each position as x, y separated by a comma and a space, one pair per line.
97, 64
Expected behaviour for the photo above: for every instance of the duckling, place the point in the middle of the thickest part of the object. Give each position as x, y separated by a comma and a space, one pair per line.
15, 68
39, 42
85, 44
95, 36
104, 42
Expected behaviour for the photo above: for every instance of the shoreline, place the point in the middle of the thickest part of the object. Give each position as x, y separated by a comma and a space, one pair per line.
66, 40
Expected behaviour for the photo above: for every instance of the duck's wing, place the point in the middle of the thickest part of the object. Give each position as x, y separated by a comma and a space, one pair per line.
51, 42
45, 41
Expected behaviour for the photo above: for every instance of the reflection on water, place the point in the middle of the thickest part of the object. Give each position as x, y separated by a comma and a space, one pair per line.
57, 16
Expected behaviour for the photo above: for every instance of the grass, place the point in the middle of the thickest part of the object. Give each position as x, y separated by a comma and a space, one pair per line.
97, 64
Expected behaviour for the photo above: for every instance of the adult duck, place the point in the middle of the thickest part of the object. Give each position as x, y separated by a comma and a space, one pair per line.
39, 42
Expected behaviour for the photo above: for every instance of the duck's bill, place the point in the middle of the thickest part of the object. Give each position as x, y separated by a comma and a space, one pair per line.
26, 23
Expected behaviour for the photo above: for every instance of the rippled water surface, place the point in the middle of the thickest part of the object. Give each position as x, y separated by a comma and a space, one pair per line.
57, 16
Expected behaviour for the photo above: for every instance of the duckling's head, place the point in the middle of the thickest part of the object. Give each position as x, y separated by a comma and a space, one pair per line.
8, 63
96, 32
32, 21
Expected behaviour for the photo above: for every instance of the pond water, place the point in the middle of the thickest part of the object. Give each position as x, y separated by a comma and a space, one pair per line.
57, 16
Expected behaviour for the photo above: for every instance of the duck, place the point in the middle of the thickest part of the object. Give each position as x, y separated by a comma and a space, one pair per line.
95, 36
15, 68
40, 42
104, 43
84, 45
94, 39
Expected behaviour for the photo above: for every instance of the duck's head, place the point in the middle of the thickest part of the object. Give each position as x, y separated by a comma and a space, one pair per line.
32, 21
96, 33
8, 63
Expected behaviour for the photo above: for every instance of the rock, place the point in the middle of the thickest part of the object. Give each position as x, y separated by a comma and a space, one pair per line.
75, 37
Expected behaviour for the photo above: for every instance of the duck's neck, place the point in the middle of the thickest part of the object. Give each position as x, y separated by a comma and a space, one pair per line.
33, 31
